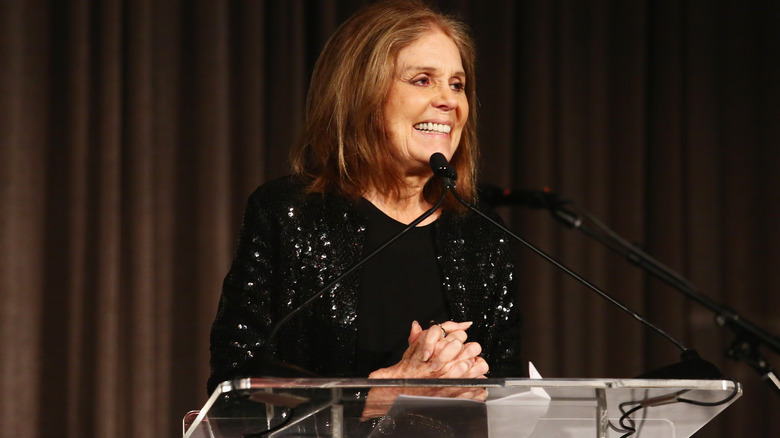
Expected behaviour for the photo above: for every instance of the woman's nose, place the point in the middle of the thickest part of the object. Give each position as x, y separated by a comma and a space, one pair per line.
445, 98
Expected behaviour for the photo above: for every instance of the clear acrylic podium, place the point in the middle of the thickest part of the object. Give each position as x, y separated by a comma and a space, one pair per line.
517, 408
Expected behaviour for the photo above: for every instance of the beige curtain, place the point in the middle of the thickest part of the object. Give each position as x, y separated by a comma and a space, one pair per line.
132, 132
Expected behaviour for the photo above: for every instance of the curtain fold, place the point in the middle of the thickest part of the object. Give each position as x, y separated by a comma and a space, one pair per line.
132, 133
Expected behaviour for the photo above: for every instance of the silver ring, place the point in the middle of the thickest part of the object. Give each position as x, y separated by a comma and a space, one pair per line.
443, 332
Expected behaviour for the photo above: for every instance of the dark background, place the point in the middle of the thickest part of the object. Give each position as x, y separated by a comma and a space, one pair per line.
132, 132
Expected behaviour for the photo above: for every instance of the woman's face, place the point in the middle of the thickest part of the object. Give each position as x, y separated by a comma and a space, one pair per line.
426, 107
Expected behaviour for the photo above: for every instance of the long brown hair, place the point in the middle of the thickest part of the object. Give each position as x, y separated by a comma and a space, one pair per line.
344, 148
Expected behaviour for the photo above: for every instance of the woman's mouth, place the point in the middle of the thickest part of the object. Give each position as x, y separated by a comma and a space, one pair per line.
433, 128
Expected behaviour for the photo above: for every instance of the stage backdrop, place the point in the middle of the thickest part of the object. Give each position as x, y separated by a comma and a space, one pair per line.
132, 132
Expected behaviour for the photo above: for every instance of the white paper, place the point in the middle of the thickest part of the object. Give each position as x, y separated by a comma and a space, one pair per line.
514, 414
511, 412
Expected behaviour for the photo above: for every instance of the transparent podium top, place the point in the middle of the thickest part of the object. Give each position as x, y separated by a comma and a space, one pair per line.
494, 408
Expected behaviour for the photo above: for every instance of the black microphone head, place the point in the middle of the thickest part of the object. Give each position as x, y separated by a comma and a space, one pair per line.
442, 168
496, 196
490, 195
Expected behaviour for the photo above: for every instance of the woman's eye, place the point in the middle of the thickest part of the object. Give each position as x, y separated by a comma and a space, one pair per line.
458, 86
421, 81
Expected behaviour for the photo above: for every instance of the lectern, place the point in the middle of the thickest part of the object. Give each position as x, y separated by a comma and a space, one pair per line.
516, 408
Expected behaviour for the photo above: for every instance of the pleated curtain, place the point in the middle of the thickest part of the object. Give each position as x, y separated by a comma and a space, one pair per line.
132, 132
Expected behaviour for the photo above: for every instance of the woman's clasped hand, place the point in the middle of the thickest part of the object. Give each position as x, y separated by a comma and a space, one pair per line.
441, 351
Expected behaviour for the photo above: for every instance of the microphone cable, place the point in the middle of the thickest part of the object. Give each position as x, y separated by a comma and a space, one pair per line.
628, 426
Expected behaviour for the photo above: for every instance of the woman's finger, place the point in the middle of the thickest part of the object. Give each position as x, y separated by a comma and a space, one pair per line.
460, 335
479, 369
415, 332
429, 340
470, 350
465, 369
445, 351
452, 350
451, 326
436, 332
456, 370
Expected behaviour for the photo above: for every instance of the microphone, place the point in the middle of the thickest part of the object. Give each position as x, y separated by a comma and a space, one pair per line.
495, 197
284, 369
691, 367
441, 168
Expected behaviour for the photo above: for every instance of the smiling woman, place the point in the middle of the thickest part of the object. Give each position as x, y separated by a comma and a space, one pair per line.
346, 146
426, 107
392, 86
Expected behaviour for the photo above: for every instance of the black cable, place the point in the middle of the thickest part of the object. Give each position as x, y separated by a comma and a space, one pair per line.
629, 426
616, 428
630, 429
622, 411
717, 403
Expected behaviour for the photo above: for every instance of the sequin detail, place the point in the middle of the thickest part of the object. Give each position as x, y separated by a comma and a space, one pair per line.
292, 244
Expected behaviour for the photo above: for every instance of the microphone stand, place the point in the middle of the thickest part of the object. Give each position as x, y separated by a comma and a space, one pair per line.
748, 337
691, 366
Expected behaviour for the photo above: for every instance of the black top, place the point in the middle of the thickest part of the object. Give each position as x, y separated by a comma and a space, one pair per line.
400, 284
292, 244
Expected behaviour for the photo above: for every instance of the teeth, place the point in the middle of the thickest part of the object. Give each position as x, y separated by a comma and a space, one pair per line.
433, 127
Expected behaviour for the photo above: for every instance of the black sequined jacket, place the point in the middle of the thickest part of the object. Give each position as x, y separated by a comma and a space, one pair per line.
292, 244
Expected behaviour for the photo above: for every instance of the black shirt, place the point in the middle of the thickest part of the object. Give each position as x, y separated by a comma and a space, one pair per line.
398, 285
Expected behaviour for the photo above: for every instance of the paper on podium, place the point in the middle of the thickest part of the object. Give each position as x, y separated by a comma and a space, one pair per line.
510, 412
514, 414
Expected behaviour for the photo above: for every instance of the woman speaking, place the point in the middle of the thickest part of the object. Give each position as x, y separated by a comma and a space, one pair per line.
394, 85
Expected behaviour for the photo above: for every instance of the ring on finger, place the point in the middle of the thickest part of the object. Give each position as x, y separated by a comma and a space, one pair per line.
443, 332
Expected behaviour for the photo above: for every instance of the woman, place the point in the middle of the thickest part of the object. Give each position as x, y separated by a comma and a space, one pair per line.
393, 85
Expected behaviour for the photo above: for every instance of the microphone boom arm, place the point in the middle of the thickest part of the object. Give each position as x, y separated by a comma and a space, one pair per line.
572, 274
691, 367
748, 336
